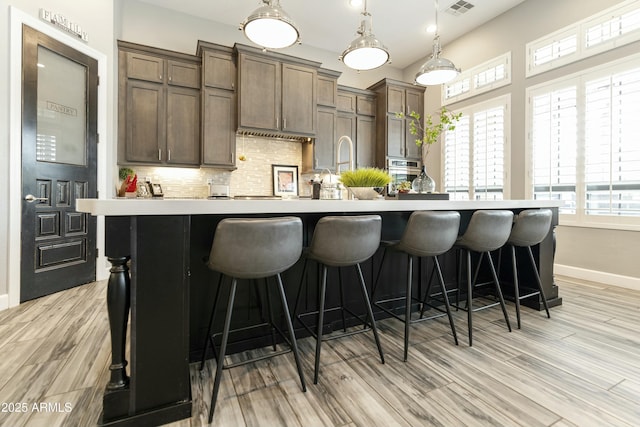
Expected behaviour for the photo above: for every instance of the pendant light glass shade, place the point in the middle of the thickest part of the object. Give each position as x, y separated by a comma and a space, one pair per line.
366, 52
270, 27
436, 70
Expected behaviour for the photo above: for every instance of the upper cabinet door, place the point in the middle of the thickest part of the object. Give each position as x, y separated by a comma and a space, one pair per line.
259, 93
299, 99
395, 100
145, 127
220, 70
145, 67
183, 74
415, 102
327, 91
183, 126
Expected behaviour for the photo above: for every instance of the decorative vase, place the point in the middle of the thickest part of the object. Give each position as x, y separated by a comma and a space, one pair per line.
423, 183
364, 193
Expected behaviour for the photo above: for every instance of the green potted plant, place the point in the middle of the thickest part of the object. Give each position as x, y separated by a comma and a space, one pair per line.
427, 134
365, 183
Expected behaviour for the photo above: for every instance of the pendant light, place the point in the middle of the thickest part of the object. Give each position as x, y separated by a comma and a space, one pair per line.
365, 52
270, 27
436, 70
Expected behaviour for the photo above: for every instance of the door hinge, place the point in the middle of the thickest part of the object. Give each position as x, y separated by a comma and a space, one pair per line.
98, 80
97, 252
97, 138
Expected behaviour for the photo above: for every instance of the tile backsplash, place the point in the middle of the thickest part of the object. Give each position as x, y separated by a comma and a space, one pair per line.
253, 176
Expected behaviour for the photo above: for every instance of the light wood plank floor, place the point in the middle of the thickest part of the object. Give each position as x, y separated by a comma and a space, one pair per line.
579, 368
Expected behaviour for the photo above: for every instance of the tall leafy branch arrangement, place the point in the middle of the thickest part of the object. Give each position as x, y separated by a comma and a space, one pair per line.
430, 132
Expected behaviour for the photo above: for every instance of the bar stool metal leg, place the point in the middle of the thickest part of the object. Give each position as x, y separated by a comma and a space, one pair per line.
499, 291
213, 312
535, 271
223, 349
407, 309
322, 292
516, 285
370, 312
294, 344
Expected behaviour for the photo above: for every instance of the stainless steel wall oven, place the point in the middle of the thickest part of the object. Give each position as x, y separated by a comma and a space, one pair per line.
402, 170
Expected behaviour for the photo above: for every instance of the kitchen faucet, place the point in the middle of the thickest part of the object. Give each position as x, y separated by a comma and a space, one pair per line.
349, 162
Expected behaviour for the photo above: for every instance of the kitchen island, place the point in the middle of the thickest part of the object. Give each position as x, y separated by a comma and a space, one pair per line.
167, 290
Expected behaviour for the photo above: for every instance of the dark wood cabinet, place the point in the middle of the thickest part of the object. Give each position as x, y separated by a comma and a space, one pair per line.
356, 119
218, 66
144, 121
327, 88
183, 126
259, 100
159, 106
319, 153
365, 141
325, 143
219, 106
393, 136
299, 99
218, 128
276, 93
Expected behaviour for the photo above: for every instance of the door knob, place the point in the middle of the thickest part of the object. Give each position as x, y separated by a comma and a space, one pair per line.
31, 198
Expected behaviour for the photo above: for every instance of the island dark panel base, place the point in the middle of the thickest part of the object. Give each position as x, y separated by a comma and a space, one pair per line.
157, 389
155, 417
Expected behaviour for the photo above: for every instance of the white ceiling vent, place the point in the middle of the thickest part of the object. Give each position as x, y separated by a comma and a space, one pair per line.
459, 7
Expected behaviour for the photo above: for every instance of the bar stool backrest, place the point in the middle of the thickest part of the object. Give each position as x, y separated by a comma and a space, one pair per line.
430, 233
345, 240
251, 248
488, 230
531, 227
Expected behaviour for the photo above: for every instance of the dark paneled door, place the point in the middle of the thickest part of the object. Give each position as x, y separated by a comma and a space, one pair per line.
59, 137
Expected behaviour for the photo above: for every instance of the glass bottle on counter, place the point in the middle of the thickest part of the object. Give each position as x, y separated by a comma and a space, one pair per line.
423, 183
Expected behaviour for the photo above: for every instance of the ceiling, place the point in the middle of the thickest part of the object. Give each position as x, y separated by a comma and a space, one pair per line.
331, 24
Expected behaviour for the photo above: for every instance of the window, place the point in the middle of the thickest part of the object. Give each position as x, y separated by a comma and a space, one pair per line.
457, 160
583, 135
475, 154
490, 75
603, 31
612, 154
554, 135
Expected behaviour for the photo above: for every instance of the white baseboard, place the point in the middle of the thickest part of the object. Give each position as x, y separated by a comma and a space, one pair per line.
4, 301
598, 276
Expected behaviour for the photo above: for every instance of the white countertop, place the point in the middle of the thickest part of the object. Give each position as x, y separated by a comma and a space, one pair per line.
128, 207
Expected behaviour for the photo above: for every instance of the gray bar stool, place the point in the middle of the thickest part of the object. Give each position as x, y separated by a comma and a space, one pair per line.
253, 249
530, 228
488, 230
341, 241
427, 234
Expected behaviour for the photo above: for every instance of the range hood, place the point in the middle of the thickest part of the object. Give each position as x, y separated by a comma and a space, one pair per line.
274, 135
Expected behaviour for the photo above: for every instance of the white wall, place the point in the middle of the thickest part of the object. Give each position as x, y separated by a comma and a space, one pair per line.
580, 251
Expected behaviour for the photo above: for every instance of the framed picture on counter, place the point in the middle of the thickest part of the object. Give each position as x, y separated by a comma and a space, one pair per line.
285, 180
156, 190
